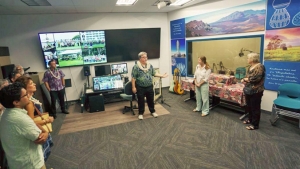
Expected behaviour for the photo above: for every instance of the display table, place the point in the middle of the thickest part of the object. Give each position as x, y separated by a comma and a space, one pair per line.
220, 86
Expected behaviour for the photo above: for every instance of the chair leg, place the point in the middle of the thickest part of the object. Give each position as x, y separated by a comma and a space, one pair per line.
131, 108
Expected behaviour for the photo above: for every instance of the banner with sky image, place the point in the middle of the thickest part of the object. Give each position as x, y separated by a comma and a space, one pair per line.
178, 48
245, 18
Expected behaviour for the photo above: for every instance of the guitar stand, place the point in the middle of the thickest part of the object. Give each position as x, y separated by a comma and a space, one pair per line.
162, 100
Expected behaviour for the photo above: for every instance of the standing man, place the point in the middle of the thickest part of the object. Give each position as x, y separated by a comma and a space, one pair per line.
21, 138
142, 83
55, 84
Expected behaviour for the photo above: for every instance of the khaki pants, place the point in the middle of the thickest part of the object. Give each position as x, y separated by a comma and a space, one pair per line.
44, 167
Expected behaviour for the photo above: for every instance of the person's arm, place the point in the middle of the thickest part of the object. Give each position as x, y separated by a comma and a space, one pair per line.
133, 85
63, 81
47, 86
206, 77
42, 138
160, 75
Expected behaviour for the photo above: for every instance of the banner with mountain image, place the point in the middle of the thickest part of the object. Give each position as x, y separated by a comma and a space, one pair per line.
245, 18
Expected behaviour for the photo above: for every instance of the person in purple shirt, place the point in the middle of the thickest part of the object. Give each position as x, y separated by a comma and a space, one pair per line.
55, 83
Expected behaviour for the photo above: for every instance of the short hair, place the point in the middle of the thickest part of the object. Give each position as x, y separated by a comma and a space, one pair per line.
2, 82
254, 57
24, 80
141, 54
9, 94
52, 60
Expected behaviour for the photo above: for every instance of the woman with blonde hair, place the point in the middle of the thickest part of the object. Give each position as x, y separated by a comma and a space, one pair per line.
254, 82
201, 76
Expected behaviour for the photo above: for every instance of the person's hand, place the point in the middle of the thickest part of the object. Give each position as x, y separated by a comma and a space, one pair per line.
42, 138
164, 75
134, 90
50, 119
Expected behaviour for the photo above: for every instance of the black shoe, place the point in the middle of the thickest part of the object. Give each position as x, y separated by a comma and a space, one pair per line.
65, 112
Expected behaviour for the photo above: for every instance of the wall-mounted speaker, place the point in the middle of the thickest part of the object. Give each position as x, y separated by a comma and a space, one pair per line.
96, 103
7, 70
68, 83
86, 71
4, 51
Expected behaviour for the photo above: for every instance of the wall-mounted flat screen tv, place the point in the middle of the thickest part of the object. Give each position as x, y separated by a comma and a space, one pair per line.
125, 44
74, 48
120, 68
107, 83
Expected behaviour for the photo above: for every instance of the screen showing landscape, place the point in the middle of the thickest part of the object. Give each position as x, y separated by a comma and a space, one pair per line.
74, 48
106, 83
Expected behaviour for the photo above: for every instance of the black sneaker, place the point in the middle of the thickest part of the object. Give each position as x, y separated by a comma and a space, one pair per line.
65, 112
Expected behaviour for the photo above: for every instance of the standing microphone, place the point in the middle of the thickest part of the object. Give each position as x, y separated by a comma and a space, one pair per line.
25, 69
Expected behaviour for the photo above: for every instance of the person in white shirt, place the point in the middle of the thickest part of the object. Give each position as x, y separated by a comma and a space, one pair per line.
201, 76
20, 137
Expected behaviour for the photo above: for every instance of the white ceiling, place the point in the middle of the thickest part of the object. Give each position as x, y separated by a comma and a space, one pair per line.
17, 7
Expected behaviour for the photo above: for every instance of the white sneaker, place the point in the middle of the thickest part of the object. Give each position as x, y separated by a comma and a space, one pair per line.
154, 115
141, 117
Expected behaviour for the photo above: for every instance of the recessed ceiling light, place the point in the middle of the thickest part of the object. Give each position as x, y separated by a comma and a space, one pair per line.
180, 2
126, 2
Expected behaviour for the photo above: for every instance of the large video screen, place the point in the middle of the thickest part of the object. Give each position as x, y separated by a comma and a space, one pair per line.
125, 44
74, 48
106, 83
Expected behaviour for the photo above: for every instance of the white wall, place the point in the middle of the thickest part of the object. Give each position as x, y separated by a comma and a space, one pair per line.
20, 34
269, 96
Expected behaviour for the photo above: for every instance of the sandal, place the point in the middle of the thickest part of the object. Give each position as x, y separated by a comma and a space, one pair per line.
203, 115
246, 122
251, 127
195, 110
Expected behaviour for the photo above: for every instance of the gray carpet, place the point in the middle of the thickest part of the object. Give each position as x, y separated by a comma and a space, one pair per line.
182, 139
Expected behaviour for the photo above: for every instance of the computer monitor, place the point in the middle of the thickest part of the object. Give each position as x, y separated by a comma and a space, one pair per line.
120, 68
102, 70
108, 83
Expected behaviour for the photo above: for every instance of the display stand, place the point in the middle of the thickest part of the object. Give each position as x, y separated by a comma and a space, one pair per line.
162, 100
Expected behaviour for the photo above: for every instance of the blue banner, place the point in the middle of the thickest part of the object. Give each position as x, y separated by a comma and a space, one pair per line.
177, 29
278, 73
283, 14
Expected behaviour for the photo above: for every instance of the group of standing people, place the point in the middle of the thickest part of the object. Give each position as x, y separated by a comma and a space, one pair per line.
25, 143
254, 79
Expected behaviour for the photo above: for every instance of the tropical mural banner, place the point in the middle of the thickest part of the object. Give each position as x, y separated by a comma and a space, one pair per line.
283, 14
240, 19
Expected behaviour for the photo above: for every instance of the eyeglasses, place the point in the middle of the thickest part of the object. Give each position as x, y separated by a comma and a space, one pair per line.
145, 57
24, 95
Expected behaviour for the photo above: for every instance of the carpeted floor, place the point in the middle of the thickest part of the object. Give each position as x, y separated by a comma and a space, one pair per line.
182, 139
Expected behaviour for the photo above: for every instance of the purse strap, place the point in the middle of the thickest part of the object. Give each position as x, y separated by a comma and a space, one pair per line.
38, 111
40, 114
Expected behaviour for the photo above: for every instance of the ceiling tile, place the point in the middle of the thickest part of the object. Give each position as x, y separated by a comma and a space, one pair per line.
61, 2
84, 2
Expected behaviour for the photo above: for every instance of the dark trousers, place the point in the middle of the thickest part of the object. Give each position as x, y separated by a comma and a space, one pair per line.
149, 93
253, 107
57, 95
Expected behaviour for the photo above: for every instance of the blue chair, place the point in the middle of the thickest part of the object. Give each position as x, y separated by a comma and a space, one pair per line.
287, 102
240, 72
128, 95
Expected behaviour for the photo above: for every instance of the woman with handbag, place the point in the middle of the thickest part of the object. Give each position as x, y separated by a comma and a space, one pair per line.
201, 76
34, 110
253, 90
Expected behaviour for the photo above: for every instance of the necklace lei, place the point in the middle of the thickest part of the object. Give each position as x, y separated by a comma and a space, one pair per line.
57, 77
145, 69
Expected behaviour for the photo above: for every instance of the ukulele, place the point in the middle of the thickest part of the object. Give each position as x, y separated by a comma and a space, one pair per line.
176, 72
171, 89
179, 90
